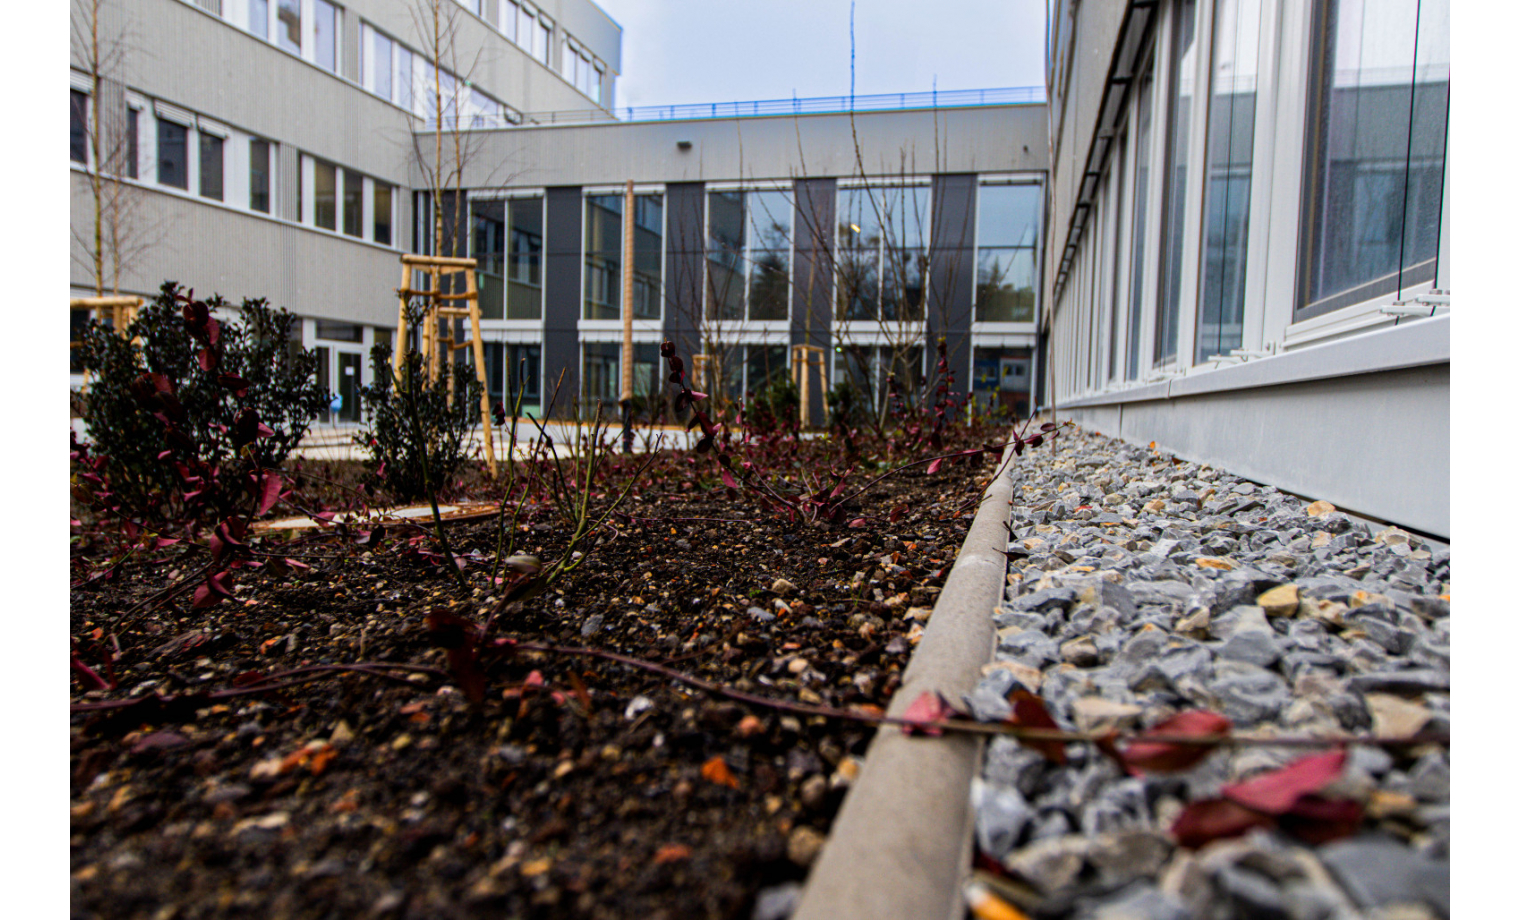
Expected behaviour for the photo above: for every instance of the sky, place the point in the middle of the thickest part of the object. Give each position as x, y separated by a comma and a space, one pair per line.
679, 51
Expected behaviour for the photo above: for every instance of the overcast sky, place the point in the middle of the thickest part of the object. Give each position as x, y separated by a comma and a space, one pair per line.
677, 51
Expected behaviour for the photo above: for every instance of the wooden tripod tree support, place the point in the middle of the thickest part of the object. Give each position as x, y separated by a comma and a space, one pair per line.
707, 371
438, 348
120, 309
806, 359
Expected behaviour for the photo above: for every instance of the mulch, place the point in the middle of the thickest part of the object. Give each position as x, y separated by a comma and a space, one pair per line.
578, 787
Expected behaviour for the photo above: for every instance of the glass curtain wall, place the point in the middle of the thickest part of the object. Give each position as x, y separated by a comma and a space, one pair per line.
882, 253
604, 256
748, 254
488, 234
1180, 118
1137, 285
1227, 185
1373, 214
525, 255
1007, 237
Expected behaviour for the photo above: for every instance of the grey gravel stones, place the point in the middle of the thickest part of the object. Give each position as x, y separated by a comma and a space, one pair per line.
1151, 586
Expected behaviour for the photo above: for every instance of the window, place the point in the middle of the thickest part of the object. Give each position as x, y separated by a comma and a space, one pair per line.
598, 74
325, 35
525, 241
325, 195
541, 35
1378, 150
79, 119
380, 54
211, 165
485, 112
382, 213
748, 254
353, 203
131, 143
883, 252
604, 256
1007, 237
258, 18
763, 366
1137, 286
336, 331
172, 155
1174, 191
404, 94
506, 19
258, 175
288, 26
602, 377
1227, 182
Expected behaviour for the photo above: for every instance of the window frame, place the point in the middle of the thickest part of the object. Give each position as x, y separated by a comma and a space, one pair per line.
639, 323
858, 327
1038, 249
746, 188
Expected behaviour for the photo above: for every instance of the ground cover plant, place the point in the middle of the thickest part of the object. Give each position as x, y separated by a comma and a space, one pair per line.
550, 712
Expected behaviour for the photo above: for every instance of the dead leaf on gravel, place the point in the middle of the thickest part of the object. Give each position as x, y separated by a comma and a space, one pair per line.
716, 771
672, 852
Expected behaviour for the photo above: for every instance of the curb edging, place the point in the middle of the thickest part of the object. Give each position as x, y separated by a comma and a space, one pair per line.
900, 846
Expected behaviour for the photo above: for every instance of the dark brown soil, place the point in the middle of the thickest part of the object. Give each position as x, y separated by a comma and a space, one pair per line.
609, 792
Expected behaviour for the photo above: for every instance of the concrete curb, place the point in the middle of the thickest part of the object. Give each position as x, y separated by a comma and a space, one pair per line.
900, 846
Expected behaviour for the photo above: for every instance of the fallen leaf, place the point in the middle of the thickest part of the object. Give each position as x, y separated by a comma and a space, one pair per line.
671, 852
716, 771
1214, 819
1142, 756
1029, 712
1276, 792
930, 707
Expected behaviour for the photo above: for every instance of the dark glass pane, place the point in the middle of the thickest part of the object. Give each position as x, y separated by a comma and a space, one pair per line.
604, 247
1005, 285
1008, 215
600, 378
1227, 191
79, 145
765, 364
353, 203
523, 370
902, 288
382, 214
325, 195
769, 273
172, 162
131, 163
648, 255
1175, 192
725, 290
288, 26
906, 211
525, 292
488, 233
211, 166
338, 331
859, 283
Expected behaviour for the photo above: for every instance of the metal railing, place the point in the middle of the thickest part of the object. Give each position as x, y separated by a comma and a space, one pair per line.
811, 105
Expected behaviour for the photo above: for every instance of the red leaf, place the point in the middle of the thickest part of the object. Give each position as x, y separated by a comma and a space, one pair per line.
1029, 712
1162, 757
1214, 819
269, 495
1276, 793
930, 707
934, 467
858, 523
1316, 820
233, 382
728, 479
896, 514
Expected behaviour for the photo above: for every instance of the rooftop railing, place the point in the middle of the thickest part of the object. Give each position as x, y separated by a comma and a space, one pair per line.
811, 105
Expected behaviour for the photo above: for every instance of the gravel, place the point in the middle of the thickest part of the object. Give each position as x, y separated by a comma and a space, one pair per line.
1140, 586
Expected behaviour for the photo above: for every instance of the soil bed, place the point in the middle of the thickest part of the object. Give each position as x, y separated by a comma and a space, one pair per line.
609, 791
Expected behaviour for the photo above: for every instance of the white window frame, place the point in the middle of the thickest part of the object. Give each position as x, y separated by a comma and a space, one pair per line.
868, 331
997, 326
745, 329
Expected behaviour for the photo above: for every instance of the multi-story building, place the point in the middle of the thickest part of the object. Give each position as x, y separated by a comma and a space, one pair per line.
1225, 233
1249, 255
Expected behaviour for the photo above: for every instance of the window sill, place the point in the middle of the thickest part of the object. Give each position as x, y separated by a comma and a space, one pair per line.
1356, 318
610, 330
186, 195
1412, 343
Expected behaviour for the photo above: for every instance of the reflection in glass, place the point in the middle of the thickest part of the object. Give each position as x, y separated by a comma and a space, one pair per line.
488, 232
1227, 189
258, 18
1137, 285
172, 165
1174, 194
288, 25
353, 203
325, 35
1007, 232
382, 214
382, 66
325, 195
604, 255
79, 106
764, 364
1374, 212
525, 289
258, 175
211, 166
749, 256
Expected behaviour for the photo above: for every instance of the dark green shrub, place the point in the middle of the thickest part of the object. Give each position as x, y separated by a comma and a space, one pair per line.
776, 407
250, 365
411, 423
847, 406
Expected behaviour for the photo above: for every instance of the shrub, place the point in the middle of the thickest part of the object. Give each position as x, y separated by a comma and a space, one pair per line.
774, 408
411, 424
210, 374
